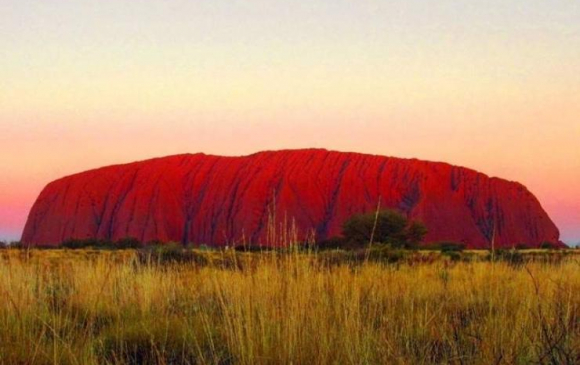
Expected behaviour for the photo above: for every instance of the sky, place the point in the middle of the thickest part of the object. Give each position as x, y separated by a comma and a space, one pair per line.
492, 85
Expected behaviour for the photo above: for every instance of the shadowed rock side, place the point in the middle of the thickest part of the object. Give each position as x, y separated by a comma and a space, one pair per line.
217, 200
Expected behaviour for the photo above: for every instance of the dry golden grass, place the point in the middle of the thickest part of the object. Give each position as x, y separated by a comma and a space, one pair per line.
89, 307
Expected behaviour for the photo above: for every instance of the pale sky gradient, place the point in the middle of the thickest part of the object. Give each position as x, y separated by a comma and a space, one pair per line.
493, 85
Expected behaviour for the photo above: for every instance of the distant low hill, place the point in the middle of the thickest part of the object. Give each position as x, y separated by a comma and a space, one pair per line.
263, 197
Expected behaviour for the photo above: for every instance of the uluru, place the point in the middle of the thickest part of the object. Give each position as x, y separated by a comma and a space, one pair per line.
218, 200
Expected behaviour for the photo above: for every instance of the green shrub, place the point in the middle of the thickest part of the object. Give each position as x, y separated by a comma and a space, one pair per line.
445, 246
170, 253
16, 245
548, 246
76, 243
512, 257
241, 248
127, 243
452, 255
122, 244
388, 226
334, 243
385, 254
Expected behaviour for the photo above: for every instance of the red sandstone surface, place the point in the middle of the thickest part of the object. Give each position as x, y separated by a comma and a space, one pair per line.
216, 200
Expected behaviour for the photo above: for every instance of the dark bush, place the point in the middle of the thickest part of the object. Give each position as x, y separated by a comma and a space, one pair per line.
247, 248
512, 257
388, 227
385, 254
45, 247
548, 246
123, 243
128, 243
335, 243
165, 252
17, 245
415, 233
453, 255
75, 244
452, 247
170, 253
445, 246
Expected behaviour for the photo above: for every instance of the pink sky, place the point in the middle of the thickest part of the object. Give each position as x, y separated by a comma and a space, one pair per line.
492, 85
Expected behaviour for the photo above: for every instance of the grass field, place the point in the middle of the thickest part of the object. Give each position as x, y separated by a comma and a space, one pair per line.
118, 307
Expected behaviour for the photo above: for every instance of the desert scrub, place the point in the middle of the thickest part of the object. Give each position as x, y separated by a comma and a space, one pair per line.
227, 307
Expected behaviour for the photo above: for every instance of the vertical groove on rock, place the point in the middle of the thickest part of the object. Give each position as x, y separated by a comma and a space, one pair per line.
331, 207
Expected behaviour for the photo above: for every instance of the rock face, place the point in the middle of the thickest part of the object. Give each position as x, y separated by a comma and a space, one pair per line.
263, 198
